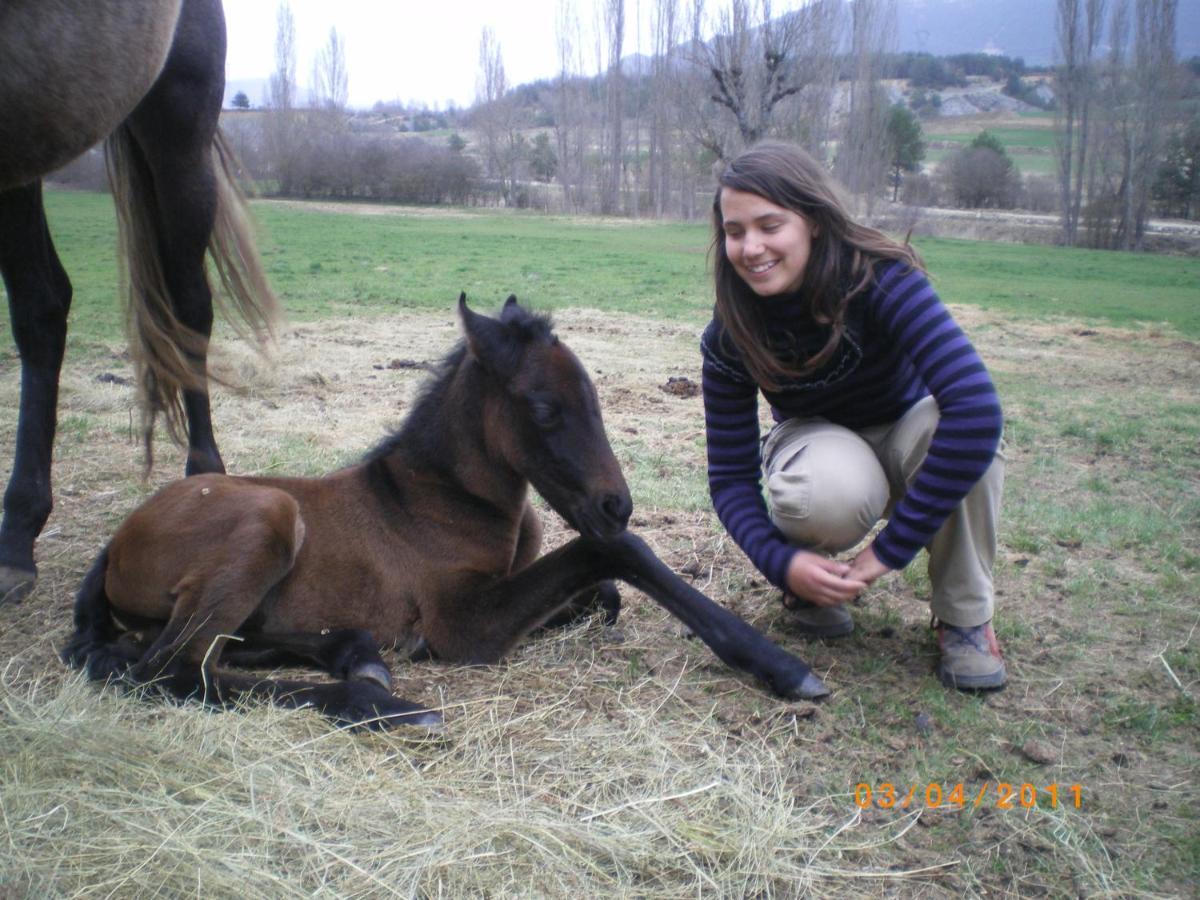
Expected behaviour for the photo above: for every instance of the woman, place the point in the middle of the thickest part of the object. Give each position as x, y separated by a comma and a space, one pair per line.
882, 409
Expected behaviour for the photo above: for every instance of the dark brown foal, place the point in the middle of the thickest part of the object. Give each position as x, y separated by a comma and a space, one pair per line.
430, 544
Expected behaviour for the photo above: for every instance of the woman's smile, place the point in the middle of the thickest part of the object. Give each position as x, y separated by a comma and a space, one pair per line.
768, 245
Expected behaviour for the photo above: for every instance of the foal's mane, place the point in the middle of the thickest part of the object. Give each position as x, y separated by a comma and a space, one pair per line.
419, 429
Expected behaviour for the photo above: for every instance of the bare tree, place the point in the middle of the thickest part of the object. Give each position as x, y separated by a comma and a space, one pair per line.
1154, 92
331, 79
570, 120
755, 64
664, 38
614, 27
1078, 25
863, 156
281, 122
494, 116
1133, 99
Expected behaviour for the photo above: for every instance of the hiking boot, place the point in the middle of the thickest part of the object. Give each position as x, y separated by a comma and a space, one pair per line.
971, 658
818, 621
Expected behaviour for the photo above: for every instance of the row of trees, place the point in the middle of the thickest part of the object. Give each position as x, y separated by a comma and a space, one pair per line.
1122, 119
609, 137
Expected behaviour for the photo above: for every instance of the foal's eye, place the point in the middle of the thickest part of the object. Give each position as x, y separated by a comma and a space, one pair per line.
546, 414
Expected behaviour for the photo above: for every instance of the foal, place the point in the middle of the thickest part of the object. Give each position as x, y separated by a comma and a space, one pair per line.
430, 544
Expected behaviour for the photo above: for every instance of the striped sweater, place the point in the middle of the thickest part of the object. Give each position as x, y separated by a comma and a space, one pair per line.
900, 344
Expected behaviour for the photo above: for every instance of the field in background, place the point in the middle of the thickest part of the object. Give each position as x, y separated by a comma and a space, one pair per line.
627, 760
1027, 138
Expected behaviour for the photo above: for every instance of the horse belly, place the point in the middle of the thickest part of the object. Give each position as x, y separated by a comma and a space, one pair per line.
72, 72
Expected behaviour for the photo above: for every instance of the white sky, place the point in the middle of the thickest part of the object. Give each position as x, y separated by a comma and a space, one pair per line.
422, 50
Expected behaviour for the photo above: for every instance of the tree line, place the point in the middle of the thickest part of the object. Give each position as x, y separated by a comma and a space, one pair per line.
637, 131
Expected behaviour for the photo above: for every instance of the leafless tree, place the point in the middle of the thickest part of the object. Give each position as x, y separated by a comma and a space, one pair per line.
494, 116
863, 155
614, 30
1078, 26
665, 31
1134, 96
755, 65
331, 79
282, 120
1154, 93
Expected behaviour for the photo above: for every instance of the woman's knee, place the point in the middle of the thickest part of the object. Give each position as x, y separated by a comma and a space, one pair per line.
828, 491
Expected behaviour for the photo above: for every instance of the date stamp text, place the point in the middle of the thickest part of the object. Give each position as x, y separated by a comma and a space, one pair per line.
995, 794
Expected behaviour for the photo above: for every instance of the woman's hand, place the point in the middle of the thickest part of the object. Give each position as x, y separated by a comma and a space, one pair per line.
822, 581
866, 567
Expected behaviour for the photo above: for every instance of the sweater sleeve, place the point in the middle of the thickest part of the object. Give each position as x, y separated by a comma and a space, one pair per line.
735, 459
911, 315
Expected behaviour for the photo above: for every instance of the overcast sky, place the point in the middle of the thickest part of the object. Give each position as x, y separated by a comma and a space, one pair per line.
424, 50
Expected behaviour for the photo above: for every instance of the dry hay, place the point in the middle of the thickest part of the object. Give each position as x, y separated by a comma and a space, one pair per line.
620, 761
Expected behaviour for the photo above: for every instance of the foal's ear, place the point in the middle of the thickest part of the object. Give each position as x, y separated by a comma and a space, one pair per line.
510, 309
487, 339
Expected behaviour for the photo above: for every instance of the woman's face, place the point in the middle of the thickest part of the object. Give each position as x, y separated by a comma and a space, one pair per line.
769, 245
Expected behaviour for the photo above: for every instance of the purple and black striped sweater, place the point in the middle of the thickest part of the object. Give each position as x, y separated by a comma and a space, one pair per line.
900, 344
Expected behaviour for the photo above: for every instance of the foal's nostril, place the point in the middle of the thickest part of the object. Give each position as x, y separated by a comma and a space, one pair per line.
618, 508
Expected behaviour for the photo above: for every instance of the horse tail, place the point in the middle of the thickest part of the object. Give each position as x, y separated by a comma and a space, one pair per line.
246, 298
94, 646
169, 357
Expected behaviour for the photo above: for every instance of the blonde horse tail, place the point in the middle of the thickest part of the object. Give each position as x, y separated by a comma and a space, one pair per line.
168, 356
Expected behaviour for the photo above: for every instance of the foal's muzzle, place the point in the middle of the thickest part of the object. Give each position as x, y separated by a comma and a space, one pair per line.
604, 516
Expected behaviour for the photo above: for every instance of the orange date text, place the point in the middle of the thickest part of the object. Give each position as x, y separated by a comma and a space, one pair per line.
995, 794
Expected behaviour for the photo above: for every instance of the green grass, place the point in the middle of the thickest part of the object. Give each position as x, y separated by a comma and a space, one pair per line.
331, 263
1009, 137
1120, 289
1031, 149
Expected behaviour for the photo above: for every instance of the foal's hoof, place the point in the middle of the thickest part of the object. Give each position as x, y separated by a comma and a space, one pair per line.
810, 687
16, 584
374, 672
395, 714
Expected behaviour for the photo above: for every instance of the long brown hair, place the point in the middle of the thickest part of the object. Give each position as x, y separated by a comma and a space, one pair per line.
840, 265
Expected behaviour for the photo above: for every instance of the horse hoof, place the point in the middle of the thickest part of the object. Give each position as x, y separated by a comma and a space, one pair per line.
16, 584
811, 687
374, 672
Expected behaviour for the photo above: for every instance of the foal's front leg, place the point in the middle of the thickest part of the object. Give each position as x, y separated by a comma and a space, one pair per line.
484, 628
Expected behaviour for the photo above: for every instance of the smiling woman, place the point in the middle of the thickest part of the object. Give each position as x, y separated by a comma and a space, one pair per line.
883, 409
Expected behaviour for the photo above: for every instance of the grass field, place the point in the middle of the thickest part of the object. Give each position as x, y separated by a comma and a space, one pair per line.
627, 761
1030, 147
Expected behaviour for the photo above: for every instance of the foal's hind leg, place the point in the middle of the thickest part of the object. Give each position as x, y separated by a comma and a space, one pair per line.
350, 654
173, 128
39, 297
222, 580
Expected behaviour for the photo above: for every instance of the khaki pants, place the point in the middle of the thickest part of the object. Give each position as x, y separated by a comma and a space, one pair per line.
828, 486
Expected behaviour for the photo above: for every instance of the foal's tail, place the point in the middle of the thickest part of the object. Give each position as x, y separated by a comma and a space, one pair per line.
95, 645
169, 355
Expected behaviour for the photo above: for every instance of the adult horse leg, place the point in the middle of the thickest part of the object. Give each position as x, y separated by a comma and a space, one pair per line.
485, 627
39, 297
173, 173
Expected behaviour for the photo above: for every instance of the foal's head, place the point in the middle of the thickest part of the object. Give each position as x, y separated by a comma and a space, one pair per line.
544, 418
